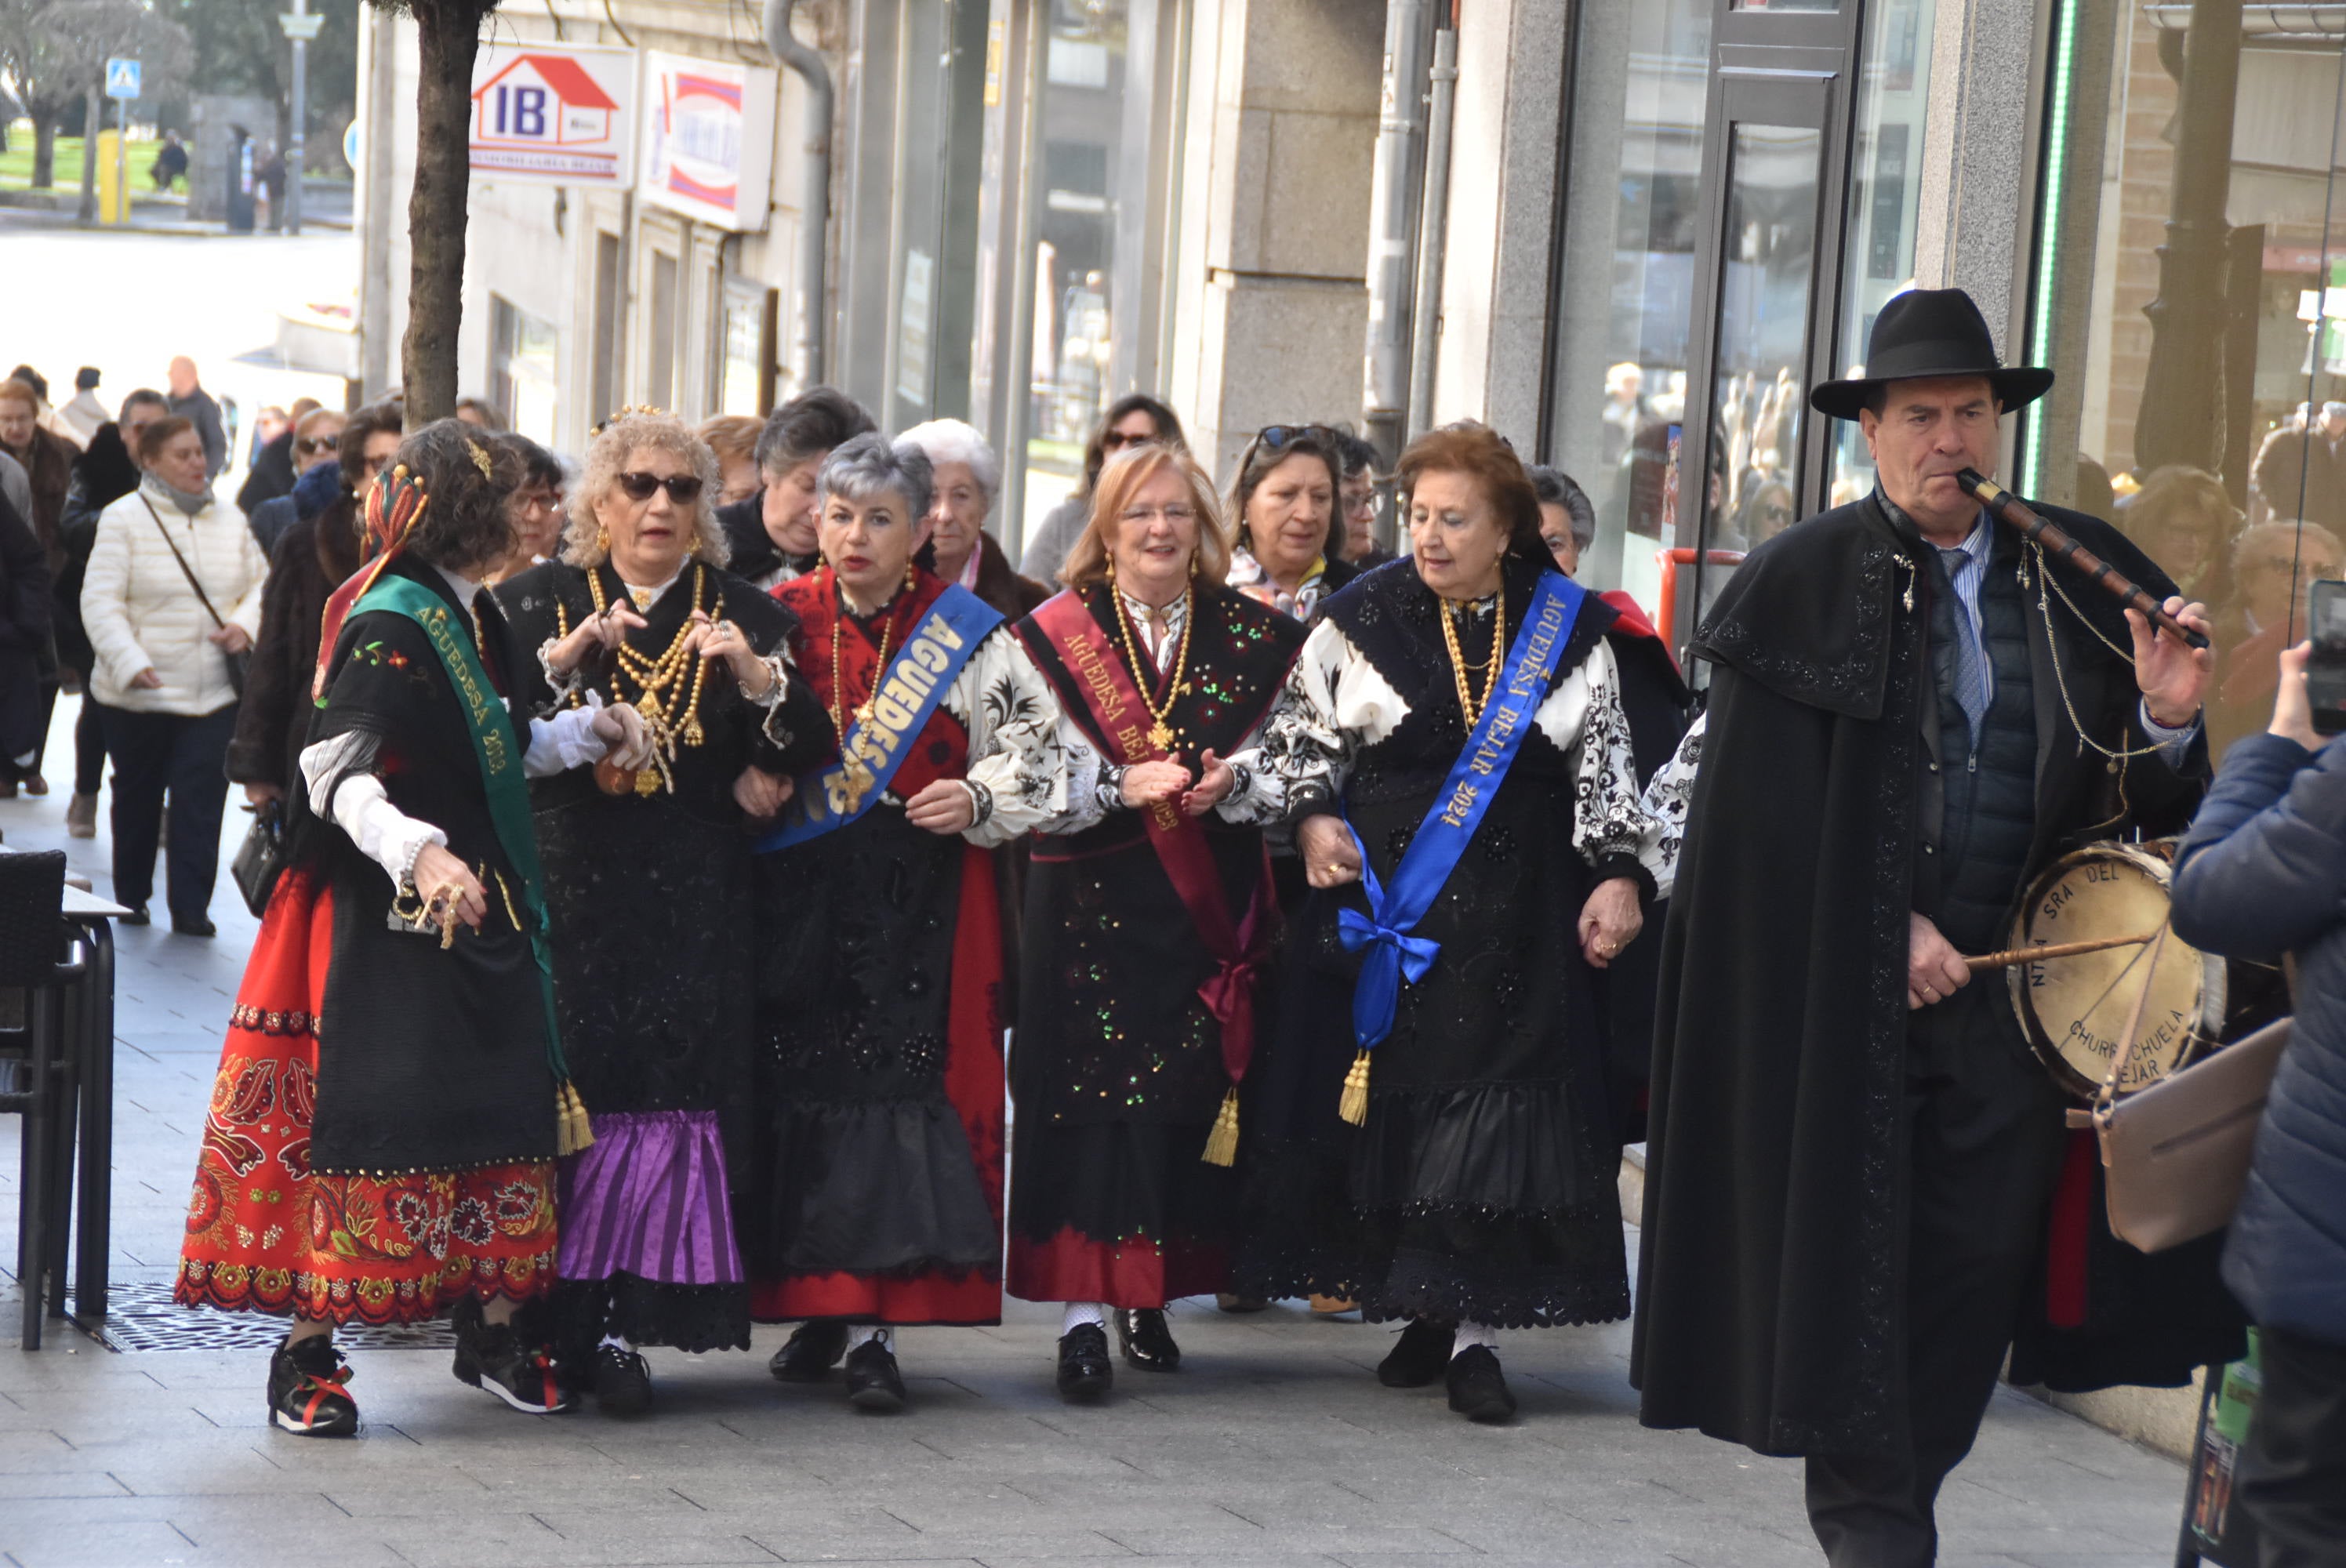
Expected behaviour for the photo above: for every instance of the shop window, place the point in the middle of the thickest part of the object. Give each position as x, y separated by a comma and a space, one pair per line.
2190, 295
1632, 214
661, 336
522, 369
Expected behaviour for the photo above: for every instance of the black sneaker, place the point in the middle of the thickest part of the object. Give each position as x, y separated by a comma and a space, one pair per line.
138, 916
200, 926
1478, 1389
494, 1358
622, 1381
873, 1381
1418, 1357
1146, 1341
308, 1392
809, 1354
1085, 1371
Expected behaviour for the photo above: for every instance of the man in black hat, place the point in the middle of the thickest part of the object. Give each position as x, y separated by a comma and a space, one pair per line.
1852, 1150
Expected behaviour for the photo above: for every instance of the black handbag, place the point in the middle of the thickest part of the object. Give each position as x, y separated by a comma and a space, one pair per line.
260, 859
240, 665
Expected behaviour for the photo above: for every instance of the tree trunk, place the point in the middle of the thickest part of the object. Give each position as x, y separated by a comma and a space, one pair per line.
447, 37
45, 152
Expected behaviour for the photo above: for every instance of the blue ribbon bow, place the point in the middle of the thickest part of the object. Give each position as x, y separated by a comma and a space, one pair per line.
1390, 954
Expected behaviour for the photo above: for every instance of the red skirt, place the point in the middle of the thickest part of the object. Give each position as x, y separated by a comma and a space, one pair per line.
974, 1085
266, 1234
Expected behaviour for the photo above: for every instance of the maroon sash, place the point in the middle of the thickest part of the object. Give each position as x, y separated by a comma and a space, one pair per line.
1121, 718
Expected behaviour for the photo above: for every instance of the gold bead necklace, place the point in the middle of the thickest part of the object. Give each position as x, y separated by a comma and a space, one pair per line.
878, 667
1160, 731
1469, 705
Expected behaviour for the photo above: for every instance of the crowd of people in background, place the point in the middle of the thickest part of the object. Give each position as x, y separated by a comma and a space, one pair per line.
821, 796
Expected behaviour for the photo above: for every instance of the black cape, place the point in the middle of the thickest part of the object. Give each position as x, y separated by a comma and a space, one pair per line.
1770, 1280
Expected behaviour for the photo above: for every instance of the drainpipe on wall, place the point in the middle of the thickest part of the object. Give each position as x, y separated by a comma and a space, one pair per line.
1392, 225
810, 313
1433, 230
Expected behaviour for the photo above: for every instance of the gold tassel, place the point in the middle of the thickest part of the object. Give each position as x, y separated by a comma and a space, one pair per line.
572, 1132
1354, 1106
1222, 1143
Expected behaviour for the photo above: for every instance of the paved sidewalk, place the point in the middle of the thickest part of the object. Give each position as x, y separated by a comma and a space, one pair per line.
1274, 1445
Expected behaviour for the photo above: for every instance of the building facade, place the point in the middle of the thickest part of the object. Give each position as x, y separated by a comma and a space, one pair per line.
1656, 226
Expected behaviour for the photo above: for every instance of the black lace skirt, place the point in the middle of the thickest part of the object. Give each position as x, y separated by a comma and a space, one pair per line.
1483, 1187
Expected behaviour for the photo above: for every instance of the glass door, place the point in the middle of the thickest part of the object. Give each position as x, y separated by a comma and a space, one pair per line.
1750, 458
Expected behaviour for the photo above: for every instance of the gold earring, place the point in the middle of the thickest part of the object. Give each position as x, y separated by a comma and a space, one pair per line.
603, 538
912, 574
1193, 565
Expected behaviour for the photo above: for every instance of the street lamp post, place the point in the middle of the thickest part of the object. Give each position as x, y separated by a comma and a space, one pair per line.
300, 27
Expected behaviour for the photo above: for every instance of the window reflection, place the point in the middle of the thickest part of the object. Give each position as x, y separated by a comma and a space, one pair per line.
1633, 216
2205, 411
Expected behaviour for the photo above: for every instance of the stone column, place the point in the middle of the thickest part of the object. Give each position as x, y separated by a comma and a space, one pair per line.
1979, 182
1271, 305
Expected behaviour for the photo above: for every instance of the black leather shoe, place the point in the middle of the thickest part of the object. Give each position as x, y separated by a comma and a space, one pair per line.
194, 928
307, 1391
138, 916
1146, 1341
1419, 1356
494, 1358
1085, 1371
809, 1354
622, 1381
873, 1383
1478, 1389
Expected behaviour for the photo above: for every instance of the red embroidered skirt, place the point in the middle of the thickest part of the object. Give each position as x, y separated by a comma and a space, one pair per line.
266, 1234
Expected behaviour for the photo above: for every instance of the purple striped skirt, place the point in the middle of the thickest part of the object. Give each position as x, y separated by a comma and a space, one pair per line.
649, 1198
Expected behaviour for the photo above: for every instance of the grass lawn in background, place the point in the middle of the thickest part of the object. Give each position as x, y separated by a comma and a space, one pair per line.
17, 163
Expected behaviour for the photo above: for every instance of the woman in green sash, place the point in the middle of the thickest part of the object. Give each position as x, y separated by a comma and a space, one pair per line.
1432, 1136
391, 1097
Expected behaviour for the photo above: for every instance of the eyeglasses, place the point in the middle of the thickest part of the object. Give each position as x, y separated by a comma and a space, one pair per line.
311, 446
1117, 440
683, 489
1144, 515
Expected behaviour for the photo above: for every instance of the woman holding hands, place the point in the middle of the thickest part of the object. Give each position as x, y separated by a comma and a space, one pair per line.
648, 879
1148, 915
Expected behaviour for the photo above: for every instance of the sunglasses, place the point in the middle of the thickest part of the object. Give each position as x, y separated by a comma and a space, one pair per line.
683, 489
1117, 440
310, 445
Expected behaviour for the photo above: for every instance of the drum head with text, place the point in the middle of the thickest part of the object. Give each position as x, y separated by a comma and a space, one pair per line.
2076, 1009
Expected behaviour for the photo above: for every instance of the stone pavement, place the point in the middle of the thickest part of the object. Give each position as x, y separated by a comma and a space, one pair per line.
1273, 1445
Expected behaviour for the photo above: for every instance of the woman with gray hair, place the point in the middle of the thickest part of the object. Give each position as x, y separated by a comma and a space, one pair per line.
647, 880
965, 482
1567, 518
881, 988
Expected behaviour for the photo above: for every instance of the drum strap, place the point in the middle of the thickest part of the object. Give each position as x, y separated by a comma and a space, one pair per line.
2109, 1090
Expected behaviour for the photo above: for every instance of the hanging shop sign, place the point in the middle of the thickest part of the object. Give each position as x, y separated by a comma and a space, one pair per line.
708, 139
553, 114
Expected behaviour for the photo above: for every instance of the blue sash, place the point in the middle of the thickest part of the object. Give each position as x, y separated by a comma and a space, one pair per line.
1391, 951
901, 701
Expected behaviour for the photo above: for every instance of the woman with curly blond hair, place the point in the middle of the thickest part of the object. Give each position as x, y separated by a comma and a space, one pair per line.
648, 877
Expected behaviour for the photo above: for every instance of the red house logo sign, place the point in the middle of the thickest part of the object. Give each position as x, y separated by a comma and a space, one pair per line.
543, 114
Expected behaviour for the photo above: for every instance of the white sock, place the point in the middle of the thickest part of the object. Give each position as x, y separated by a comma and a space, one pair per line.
878, 1332
1082, 1312
1473, 1334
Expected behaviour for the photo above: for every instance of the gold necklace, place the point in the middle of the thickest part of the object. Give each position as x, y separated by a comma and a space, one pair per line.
668, 686
1468, 704
879, 668
1161, 732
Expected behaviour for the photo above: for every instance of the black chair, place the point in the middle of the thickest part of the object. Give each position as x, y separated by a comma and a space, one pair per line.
40, 958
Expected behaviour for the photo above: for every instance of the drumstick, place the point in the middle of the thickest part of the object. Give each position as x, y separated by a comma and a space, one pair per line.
2007, 508
2012, 955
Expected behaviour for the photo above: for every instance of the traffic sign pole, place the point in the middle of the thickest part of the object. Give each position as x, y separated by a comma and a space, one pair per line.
300, 27
122, 86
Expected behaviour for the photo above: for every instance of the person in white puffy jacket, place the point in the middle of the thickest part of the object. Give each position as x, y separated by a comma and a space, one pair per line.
162, 667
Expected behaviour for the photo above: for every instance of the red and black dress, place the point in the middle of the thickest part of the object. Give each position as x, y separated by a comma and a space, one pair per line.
879, 1122
1118, 1065
381, 1135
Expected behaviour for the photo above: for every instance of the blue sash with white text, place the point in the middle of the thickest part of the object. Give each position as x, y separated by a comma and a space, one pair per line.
901, 701
1391, 951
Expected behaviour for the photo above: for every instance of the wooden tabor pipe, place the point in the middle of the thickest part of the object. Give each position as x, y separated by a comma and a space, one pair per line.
2007, 508
2012, 955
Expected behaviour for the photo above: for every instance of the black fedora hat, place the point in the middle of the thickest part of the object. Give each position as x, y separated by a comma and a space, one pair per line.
1930, 333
